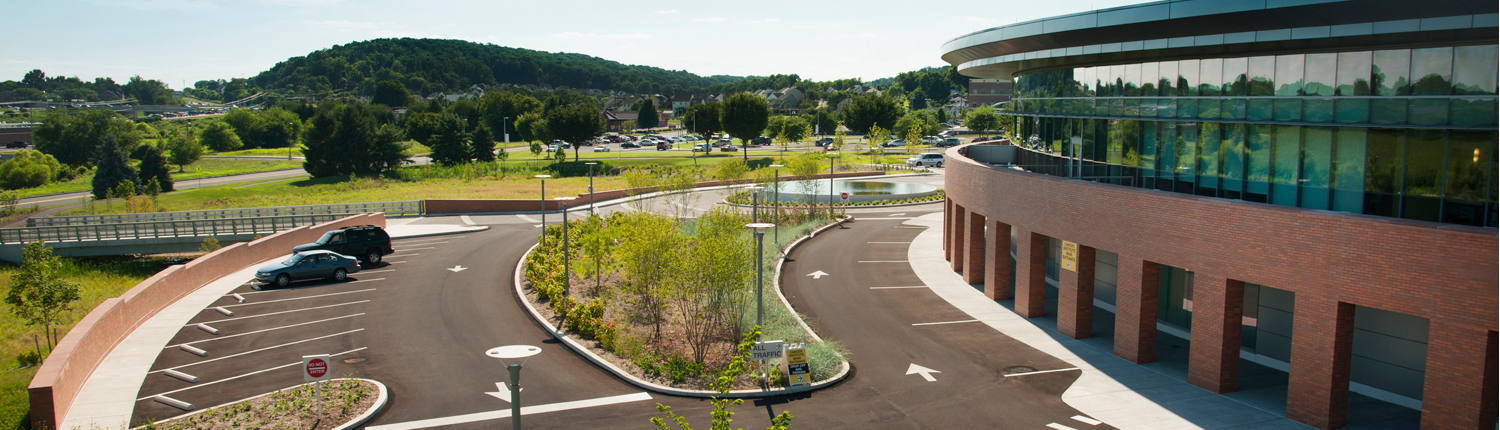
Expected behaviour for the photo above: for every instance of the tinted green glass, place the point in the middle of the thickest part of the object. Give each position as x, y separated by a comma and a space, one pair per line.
1236, 81
1208, 149
1288, 84
1390, 75
1258, 162
1187, 86
1166, 88
1187, 152
1130, 145
1349, 169
1149, 75
1262, 71
1317, 157
1167, 143
1286, 159
1422, 185
1148, 145
1211, 73
1116, 139
1432, 69
1319, 79
1353, 80
1468, 165
1474, 71
1233, 147
1383, 164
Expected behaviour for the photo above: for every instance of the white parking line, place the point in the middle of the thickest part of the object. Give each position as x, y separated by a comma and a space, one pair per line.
505, 413
397, 262
1087, 420
896, 288
256, 350
377, 271
891, 242
414, 249
424, 239
423, 243
1041, 371
1060, 426
403, 255
467, 220
300, 298
528, 219
244, 375
259, 331
884, 261
282, 312
947, 322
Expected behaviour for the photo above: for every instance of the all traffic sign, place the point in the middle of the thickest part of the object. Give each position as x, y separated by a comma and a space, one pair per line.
315, 368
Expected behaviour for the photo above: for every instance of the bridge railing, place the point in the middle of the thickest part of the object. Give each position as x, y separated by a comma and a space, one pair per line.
391, 209
162, 229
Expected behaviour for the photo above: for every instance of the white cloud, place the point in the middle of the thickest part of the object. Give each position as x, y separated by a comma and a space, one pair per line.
715, 19
861, 36
573, 35
166, 4
302, 3
348, 26
666, 11
976, 19
764, 21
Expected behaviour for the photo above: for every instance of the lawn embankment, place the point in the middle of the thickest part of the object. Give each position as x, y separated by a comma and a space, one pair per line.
205, 168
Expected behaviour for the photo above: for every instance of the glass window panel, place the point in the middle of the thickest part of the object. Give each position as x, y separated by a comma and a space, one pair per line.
1258, 162
1130, 154
1432, 70
1167, 163
1474, 73
1383, 165
1422, 185
1117, 90
1187, 155
1349, 170
1116, 139
1390, 75
1165, 87
1465, 180
1233, 148
1319, 80
1317, 157
1149, 74
1285, 157
1289, 84
1132, 89
1354, 80
1211, 72
1236, 81
1090, 84
1089, 139
1261, 84
1208, 149
1187, 86
1148, 146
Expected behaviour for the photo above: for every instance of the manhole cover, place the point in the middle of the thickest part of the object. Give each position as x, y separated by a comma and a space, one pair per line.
1019, 369
353, 360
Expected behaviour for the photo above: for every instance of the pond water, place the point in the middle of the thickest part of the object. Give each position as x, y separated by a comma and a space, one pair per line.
859, 191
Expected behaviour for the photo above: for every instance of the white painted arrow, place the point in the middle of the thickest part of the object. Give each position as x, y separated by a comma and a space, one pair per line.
504, 393
538, 226
817, 274
899, 214
926, 373
457, 269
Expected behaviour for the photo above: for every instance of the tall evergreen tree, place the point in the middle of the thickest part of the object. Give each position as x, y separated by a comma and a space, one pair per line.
154, 166
450, 145
113, 169
482, 143
344, 140
646, 115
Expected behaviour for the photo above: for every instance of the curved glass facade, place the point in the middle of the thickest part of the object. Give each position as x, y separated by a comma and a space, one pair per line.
1408, 133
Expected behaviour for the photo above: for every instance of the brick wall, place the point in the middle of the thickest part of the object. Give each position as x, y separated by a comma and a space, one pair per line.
74, 358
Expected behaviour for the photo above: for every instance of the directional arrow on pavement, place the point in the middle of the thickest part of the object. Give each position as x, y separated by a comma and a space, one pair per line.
899, 214
926, 373
503, 393
817, 274
539, 226
457, 269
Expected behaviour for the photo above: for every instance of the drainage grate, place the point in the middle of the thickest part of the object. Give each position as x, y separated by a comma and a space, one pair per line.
1019, 369
354, 360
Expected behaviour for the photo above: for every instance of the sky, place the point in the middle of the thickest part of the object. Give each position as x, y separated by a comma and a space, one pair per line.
183, 41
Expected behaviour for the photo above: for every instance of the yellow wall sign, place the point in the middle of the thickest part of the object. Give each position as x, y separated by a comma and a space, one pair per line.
1070, 256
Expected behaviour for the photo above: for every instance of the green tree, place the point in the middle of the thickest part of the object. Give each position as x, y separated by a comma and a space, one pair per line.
29, 169
560, 155
730, 171
74, 137
38, 293
531, 126
647, 117
344, 139
942, 116
628, 127
154, 168
915, 123
744, 117
182, 150
220, 137
450, 145
113, 169
869, 110
391, 93
536, 148
148, 92
821, 121
421, 125
575, 124
982, 119
703, 119
794, 129
876, 136
482, 143
501, 110
721, 414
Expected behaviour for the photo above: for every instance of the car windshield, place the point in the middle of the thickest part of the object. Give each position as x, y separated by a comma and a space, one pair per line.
293, 261
326, 237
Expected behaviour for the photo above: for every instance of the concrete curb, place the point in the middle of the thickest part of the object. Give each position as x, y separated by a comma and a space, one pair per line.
472, 229
622, 374
383, 397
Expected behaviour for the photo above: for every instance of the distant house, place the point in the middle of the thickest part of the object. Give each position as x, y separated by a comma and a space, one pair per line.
614, 121
988, 92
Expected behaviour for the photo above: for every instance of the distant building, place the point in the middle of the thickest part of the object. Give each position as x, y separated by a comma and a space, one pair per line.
988, 92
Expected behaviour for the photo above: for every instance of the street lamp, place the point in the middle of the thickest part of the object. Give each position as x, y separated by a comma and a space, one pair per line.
759, 234
564, 201
289, 145
544, 208
514, 352
505, 129
776, 204
754, 202
591, 186
831, 159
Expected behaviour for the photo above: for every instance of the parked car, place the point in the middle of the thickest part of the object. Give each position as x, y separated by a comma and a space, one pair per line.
721, 142
952, 141
703, 147
935, 160
369, 242
601, 148
931, 140
629, 145
15, 145
762, 140
564, 145
894, 143
315, 264
729, 148
662, 146
823, 142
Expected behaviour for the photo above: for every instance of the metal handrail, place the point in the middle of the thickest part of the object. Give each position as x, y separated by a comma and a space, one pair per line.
393, 209
160, 229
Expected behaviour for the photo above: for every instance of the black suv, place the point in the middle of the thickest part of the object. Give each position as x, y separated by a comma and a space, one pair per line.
760, 141
367, 242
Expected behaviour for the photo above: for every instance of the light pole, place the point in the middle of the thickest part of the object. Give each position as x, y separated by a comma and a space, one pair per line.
544, 208
514, 352
591, 186
566, 275
290, 144
776, 204
754, 202
831, 156
759, 234
505, 129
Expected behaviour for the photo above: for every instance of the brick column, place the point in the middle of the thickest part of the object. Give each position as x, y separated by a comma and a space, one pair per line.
1137, 287
1075, 296
997, 269
973, 251
1459, 391
1031, 274
1322, 338
1218, 305
956, 238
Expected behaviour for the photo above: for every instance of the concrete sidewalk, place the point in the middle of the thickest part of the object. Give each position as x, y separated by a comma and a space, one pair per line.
108, 398
1111, 389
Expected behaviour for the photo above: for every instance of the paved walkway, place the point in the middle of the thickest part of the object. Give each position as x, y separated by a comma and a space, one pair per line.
108, 398
1111, 389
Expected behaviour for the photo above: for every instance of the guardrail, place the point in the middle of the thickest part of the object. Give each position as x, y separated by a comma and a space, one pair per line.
391, 209
161, 229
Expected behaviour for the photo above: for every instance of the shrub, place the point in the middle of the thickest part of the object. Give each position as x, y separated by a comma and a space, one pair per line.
30, 169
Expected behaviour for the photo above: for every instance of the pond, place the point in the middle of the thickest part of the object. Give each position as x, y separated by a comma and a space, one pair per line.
858, 191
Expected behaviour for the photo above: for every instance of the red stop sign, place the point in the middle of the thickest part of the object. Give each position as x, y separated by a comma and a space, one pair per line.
846, 196
317, 368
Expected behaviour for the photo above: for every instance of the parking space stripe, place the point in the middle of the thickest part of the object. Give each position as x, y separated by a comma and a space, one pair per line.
896, 288
947, 322
244, 375
263, 330
1060, 426
282, 312
422, 239
377, 271
257, 350
397, 262
1087, 420
505, 413
891, 242
403, 255
300, 298
414, 249
884, 261
425, 242
1041, 371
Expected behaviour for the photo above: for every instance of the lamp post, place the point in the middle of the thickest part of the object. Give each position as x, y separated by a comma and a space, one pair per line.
505, 129
830, 183
754, 202
289, 145
514, 352
591, 186
759, 234
544, 208
566, 276
776, 204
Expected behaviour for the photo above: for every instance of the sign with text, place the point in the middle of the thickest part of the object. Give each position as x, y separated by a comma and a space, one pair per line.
797, 370
315, 368
1070, 256
768, 350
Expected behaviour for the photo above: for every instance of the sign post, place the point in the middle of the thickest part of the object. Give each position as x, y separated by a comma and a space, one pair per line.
315, 369
1070, 256
767, 350
797, 370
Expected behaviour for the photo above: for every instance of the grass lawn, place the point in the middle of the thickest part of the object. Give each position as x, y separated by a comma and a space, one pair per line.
205, 168
98, 279
262, 152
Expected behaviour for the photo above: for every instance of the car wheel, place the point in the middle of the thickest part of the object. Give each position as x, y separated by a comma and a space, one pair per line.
340, 274
283, 280
940, 164
373, 257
